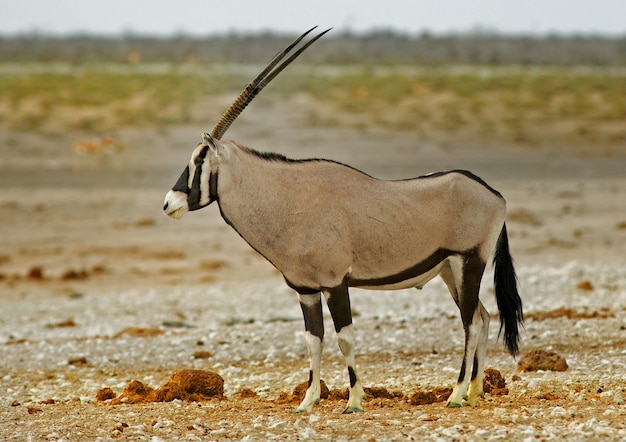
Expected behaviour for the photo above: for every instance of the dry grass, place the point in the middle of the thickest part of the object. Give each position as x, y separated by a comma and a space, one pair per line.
519, 105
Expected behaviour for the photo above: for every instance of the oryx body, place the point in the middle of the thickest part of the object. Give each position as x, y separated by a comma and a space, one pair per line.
327, 227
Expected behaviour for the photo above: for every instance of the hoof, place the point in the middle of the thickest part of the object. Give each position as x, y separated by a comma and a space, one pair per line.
351, 410
453, 405
300, 411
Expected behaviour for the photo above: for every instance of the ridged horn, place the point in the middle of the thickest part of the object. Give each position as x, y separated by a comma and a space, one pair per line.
261, 80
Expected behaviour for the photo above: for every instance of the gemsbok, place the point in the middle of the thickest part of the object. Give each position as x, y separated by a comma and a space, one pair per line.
327, 227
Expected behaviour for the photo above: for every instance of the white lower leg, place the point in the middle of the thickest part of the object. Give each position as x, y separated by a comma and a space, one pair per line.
476, 385
345, 339
312, 395
459, 396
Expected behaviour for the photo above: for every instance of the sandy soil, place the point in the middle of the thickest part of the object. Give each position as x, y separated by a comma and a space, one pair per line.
99, 288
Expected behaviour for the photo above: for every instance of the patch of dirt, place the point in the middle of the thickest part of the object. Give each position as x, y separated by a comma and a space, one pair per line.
536, 360
185, 385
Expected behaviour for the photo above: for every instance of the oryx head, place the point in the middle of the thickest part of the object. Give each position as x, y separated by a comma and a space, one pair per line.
197, 186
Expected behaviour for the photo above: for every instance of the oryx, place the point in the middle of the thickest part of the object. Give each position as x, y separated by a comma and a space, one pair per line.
327, 227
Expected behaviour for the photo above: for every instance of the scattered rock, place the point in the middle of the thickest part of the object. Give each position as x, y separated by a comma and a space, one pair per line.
547, 396
542, 360
66, 323
202, 354
569, 313
79, 361
494, 383
585, 285
35, 274
247, 393
33, 410
104, 394
139, 332
74, 275
47, 402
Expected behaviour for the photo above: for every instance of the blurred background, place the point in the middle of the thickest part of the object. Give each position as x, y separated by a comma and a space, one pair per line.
532, 73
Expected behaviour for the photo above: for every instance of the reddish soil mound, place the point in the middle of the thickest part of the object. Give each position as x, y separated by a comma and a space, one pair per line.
542, 360
298, 393
382, 393
425, 397
186, 385
494, 383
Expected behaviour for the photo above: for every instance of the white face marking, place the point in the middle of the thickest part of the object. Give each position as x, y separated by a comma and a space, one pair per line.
175, 204
204, 182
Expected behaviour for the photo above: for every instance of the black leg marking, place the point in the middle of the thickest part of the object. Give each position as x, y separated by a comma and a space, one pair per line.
352, 375
339, 305
310, 378
313, 318
462, 372
475, 368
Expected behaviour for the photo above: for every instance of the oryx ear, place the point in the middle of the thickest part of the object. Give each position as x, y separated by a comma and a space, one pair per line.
215, 146
208, 140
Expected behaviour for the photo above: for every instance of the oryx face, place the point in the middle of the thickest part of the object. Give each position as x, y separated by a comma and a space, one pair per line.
193, 189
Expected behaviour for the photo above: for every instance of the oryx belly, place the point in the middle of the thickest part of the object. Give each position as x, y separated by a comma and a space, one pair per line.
417, 281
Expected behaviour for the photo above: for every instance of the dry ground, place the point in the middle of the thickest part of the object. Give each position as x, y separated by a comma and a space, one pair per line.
98, 288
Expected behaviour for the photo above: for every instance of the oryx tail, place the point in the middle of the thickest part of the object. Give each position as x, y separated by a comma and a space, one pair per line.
507, 297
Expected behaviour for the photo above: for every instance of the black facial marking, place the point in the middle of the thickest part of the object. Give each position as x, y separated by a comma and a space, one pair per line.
213, 187
193, 197
183, 182
199, 159
352, 375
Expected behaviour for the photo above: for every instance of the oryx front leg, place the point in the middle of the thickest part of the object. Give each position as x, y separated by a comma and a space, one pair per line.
338, 301
314, 334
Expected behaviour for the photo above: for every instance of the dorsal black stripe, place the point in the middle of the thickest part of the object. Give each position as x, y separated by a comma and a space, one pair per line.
468, 174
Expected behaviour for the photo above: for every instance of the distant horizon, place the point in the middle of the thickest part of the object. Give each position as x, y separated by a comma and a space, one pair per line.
202, 18
472, 32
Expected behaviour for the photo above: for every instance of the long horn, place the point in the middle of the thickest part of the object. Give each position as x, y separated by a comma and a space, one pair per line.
260, 81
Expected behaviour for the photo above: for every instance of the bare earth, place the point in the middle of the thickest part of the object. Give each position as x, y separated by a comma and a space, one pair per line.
99, 288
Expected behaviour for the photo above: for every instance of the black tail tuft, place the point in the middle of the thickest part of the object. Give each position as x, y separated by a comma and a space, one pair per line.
507, 297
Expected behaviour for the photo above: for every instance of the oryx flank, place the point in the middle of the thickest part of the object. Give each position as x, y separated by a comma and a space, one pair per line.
327, 227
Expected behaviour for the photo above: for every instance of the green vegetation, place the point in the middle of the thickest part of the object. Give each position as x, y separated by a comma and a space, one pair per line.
522, 105
100, 98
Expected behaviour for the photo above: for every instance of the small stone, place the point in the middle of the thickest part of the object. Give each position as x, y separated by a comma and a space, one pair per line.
483, 433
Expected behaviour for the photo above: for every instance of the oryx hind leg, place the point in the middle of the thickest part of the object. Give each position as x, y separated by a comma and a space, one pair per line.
314, 333
338, 301
462, 275
478, 373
